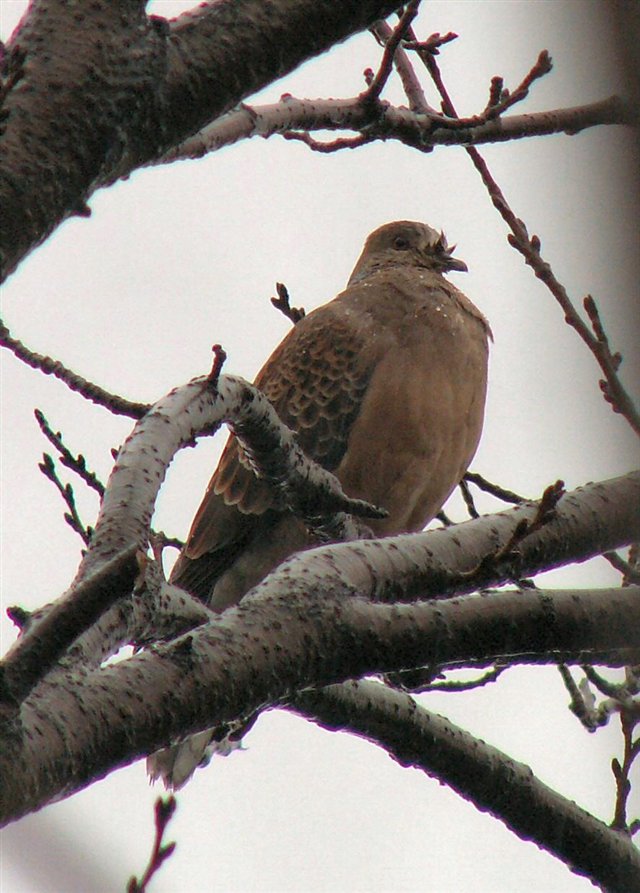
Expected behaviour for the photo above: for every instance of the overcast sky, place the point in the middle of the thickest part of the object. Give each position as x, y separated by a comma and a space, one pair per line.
178, 258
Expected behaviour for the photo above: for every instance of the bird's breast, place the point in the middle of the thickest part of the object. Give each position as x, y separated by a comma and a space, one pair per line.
421, 416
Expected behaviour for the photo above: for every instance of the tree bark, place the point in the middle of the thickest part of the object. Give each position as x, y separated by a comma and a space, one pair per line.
93, 93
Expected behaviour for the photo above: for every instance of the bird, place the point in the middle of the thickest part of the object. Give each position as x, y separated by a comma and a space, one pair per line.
384, 386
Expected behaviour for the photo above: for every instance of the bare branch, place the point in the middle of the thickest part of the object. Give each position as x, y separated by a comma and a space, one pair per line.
304, 634
163, 811
391, 44
93, 392
478, 772
154, 83
421, 129
410, 82
529, 247
128, 502
281, 303
43, 643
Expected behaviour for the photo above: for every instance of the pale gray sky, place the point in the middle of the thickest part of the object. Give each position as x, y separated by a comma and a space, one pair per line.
178, 258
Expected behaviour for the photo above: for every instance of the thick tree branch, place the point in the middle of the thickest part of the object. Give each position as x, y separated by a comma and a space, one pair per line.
127, 506
261, 652
489, 779
57, 631
116, 88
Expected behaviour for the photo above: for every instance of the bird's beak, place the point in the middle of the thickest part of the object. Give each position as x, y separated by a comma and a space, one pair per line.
449, 262
443, 256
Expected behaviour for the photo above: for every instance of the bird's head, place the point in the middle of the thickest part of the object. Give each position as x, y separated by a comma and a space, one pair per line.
406, 242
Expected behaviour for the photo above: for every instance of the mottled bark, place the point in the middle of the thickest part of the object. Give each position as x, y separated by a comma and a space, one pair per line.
314, 626
489, 779
96, 91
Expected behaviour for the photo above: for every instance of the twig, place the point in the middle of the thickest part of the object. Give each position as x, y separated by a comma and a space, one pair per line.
545, 512
79, 466
622, 772
410, 81
468, 499
48, 468
114, 403
500, 99
282, 303
486, 678
621, 692
444, 519
419, 681
433, 43
163, 810
74, 463
529, 247
494, 489
582, 703
629, 572
375, 88
334, 146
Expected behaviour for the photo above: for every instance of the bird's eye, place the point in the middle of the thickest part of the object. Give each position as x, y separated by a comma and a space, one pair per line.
400, 243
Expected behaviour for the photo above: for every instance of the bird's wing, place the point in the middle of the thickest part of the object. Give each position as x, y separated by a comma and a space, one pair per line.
315, 380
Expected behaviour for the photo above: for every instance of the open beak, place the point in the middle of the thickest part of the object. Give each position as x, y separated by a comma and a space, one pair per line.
443, 255
450, 262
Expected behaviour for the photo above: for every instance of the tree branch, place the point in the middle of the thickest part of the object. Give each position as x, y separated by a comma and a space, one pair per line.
261, 652
295, 118
152, 84
478, 772
87, 389
529, 247
127, 506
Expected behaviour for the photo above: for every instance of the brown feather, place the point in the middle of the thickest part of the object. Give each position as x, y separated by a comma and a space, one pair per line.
385, 386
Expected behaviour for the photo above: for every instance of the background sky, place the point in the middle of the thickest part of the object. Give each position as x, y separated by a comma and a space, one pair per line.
178, 258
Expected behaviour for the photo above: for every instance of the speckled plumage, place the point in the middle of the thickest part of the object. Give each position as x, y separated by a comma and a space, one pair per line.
384, 385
